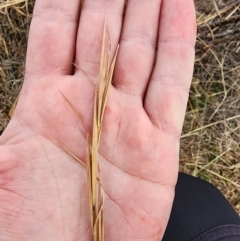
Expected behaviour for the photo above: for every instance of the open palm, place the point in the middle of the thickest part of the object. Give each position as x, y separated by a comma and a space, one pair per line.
43, 190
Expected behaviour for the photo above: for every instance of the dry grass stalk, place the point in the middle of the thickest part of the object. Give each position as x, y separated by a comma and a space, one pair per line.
96, 196
95, 190
210, 141
10, 3
11, 112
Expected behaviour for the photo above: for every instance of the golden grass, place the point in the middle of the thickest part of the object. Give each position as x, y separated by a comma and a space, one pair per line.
10, 3
95, 191
11, 112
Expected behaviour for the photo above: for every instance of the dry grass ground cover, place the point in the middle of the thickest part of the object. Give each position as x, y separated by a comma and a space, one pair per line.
210, 144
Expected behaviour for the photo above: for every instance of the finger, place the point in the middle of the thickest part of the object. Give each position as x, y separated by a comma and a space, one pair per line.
52, 36
137, 46
168, 89
90, 33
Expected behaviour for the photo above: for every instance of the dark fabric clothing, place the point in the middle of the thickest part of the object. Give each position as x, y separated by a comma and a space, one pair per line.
200, 212
223, 233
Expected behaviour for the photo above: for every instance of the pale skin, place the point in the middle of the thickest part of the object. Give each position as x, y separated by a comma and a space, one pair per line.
43, 194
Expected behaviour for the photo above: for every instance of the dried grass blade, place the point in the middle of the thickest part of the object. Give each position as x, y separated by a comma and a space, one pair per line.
96, 195
105, 78
100, 209
93, 160
109, 81
84, 73
75, 109
72, 155
102, 72
10, 3
11, 112
88, 162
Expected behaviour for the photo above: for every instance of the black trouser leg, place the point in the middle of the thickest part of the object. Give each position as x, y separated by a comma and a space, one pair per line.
201, 212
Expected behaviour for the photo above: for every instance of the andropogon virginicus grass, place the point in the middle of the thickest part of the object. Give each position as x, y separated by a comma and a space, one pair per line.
95, 190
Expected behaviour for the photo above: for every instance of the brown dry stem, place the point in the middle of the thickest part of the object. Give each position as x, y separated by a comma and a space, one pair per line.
96, 194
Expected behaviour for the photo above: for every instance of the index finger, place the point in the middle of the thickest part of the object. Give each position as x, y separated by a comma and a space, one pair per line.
52, 37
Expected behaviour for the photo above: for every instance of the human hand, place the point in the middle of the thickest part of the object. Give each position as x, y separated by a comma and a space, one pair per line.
43, 190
